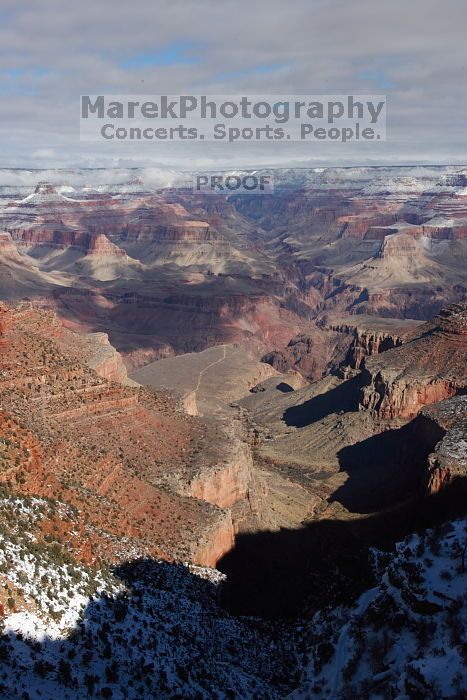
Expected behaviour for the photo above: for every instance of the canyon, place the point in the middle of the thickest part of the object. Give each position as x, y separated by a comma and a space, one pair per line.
270, 386
288, 328
166, 271
261, 452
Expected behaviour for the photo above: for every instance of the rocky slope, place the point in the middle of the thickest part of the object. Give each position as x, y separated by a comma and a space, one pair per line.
58, 430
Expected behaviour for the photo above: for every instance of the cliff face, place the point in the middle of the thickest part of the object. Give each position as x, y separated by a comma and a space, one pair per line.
366, 343
449, 459
48, 219
100, 245
160, 240
88, 243
429, 368
102, 357
186, 232
397, 246
7, 247
391, 397
226, 484
215, 544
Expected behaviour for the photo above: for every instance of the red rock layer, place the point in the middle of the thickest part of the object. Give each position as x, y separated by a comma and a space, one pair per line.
428, 368
102, 447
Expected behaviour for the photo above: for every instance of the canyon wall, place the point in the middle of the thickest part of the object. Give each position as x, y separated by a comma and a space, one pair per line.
365, 343
392, 397
214, 545
428, 368
225, 484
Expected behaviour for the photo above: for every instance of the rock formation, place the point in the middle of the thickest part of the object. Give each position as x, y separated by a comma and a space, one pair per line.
366, 343
449, 460
428, 368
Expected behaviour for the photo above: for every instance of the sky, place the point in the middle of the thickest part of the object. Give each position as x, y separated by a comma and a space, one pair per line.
52, 51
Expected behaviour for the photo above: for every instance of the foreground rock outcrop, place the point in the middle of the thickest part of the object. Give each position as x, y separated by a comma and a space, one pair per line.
145, 628
449, 460
418, 597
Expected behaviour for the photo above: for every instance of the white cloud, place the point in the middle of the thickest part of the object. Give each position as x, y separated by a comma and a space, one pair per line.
51, 51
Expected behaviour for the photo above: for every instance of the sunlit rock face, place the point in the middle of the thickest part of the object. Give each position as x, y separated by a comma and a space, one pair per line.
81, 427
428, 368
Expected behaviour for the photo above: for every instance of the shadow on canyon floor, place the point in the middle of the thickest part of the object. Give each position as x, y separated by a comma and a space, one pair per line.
284, 388
287, 573
343, 398
385, 466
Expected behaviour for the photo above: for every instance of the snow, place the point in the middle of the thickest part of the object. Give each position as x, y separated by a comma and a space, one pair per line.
404, 638
148, 629
121, 181
153, 629
344, 643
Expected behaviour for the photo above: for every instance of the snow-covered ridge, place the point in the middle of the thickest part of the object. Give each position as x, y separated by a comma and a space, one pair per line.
130, 181
406, 637
44, 589
149, 629
152, 629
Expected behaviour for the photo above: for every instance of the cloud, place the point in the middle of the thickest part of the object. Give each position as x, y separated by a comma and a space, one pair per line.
51, 51
44, 154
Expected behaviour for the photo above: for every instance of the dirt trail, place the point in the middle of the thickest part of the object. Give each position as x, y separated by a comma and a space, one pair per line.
211, 364
109, 479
